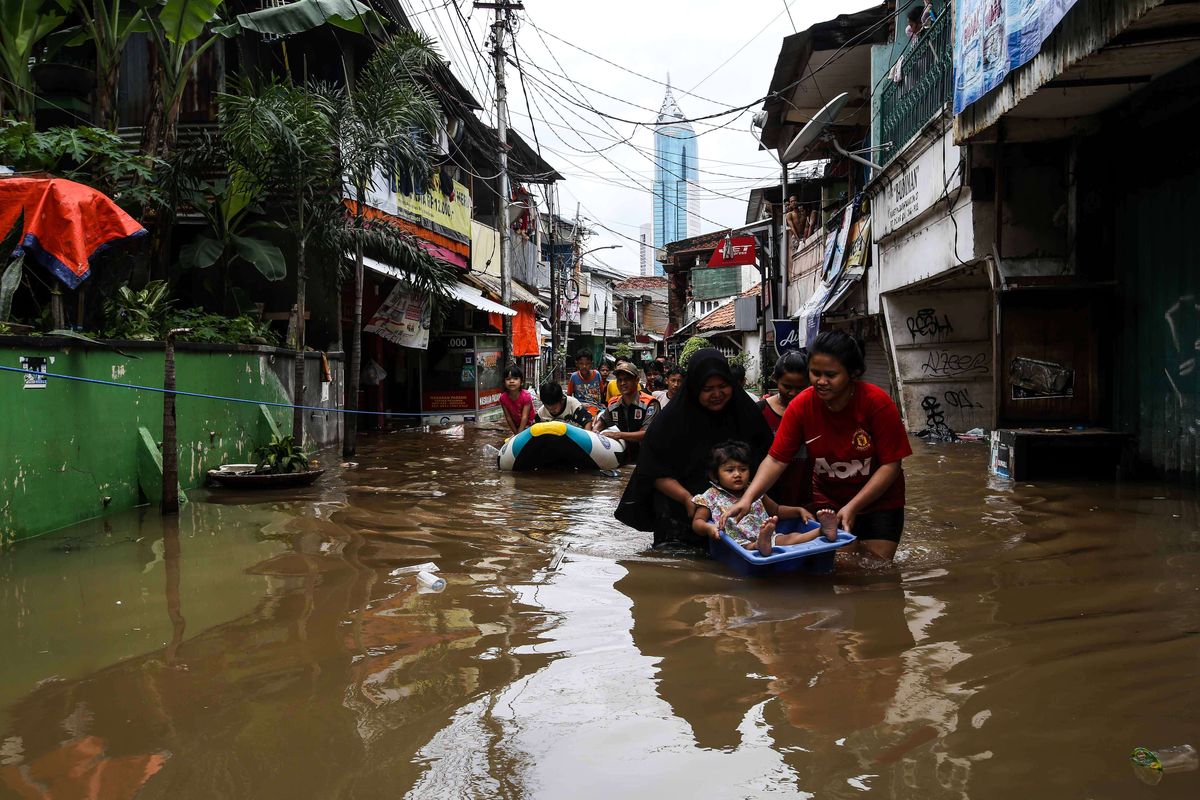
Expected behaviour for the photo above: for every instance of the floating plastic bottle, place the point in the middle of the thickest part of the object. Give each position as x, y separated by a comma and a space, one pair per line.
428, 566
430, 582
1151, 764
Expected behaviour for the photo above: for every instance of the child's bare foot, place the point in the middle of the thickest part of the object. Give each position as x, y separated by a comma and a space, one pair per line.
766, 535
828, 519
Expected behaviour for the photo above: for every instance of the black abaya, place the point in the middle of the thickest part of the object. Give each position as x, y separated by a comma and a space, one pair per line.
678, 443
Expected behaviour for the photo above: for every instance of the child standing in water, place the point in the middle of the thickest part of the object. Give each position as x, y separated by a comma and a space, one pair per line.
729, 471
516, 402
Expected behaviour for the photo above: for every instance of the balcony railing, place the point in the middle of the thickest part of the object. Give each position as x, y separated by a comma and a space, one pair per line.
926, 84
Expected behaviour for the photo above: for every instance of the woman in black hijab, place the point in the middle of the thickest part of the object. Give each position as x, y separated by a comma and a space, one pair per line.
673, 463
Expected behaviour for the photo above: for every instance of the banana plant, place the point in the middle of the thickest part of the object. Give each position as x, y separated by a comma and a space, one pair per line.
184, 30
227, 207
106, 25
23, 25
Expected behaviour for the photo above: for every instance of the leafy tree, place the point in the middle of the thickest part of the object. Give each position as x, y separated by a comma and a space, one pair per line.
88, 155
691, 346
623, 351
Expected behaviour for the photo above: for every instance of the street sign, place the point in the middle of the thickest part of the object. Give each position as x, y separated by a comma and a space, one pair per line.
742, 250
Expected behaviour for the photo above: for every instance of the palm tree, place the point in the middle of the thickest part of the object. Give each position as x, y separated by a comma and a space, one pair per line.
281, 138
378, 124
296, 144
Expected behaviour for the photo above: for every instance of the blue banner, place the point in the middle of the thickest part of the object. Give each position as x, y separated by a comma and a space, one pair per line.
994, 37
787, 335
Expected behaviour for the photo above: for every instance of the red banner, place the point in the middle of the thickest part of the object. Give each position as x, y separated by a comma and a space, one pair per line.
742, 251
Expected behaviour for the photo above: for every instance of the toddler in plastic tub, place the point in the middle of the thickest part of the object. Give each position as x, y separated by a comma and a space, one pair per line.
730, 472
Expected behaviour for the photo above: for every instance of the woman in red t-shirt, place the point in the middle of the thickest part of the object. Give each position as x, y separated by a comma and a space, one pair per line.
794, 488
855, 440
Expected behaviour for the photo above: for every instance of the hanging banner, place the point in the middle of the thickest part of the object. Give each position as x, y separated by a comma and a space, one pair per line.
835, 247
403, 319
432, 202
787, 335
743, 250
992, 38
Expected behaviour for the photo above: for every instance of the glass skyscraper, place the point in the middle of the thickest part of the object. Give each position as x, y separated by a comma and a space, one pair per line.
675, 176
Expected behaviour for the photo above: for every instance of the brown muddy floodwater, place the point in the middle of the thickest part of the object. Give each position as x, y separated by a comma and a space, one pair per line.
259, 647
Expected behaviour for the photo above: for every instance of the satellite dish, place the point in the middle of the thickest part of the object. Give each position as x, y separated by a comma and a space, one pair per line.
815, 127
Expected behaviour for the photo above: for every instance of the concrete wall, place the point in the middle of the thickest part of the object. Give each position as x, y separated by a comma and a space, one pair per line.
71, 449
942, 349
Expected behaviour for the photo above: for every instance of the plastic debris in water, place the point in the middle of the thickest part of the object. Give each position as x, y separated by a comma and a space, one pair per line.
557, 559
490, 452
430, 582
428, 566
1150, 765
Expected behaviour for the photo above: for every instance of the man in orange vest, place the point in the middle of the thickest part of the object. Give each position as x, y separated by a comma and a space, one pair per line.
630, 413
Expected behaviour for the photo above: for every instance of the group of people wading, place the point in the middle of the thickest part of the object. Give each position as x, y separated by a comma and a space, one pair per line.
826, 445
827, 441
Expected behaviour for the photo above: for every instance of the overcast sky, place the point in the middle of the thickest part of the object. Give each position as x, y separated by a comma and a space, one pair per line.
723, 51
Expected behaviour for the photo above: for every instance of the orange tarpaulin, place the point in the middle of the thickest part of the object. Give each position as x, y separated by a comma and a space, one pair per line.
525, 339
66, 224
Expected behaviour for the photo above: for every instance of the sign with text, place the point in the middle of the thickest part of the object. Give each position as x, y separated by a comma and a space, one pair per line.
994, 37
934, 175
403, 318
441, 208
787, 335
743, 250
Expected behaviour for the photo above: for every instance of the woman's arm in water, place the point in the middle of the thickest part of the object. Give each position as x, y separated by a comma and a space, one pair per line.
768, 472
675, 491
871, 491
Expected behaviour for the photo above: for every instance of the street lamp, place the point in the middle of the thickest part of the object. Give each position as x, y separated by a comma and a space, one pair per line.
555, 301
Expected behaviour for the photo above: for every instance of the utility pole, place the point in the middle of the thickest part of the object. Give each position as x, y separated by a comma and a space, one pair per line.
499, 29
555, 290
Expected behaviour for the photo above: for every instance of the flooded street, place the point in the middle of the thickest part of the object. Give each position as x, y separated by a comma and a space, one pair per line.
1027, 639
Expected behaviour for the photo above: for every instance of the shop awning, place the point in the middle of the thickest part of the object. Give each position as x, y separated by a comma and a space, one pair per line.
844, 287
442, 254
474, 297
491, 284
459, 291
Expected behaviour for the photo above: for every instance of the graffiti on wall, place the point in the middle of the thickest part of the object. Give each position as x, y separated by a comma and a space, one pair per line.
936, 428
944, 364
927, 325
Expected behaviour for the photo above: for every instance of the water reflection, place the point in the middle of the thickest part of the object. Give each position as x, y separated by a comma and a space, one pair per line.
261, 646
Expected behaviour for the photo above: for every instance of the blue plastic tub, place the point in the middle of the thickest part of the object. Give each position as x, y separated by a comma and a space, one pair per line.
814, 557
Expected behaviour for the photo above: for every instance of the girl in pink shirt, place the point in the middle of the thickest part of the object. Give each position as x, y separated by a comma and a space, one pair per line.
516, 402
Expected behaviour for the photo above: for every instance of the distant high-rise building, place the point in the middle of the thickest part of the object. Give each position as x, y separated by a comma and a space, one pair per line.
649, 267
675, 175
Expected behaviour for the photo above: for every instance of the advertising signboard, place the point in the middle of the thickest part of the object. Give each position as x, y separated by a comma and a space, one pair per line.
994, 37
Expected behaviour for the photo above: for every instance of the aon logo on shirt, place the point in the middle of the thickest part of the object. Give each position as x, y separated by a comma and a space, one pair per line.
843, 469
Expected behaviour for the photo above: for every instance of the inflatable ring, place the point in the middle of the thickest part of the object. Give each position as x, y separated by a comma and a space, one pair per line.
557, 445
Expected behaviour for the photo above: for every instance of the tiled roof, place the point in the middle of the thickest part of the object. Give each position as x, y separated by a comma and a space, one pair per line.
722, 317
655, 282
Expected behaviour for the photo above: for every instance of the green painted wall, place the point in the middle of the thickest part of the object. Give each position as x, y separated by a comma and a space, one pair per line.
69, 451
716, 282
